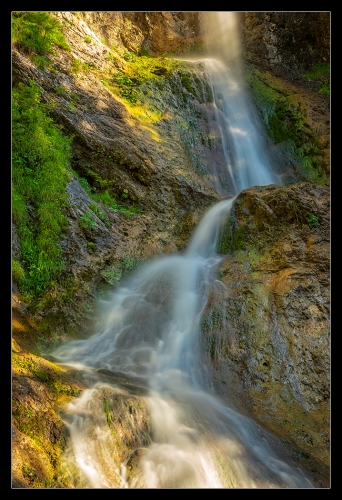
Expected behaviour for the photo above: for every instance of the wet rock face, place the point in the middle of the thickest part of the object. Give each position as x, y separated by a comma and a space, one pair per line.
287, 41
267, 333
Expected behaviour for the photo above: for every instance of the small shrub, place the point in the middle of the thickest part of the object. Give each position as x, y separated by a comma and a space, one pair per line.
86, 221
313, 220
130, 95
129, 56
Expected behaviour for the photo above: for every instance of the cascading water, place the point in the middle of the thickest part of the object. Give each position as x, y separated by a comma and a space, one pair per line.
150, 334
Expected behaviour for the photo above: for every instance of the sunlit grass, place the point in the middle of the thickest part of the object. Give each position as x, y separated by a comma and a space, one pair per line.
40, 161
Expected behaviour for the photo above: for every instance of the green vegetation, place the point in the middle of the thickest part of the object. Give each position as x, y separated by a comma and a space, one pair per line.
31, 366
107, 411
130, 95
18, 272
100, 214
40, 172
114, 273
77, 66
285, 122
86, 221
321, 72
140, 71
106, 198
37, 32
321, 69
232, 238
129, 56
313, 220
87, 39
240, 243
325, 89
186, 82
27, 472
61, 91
91, 246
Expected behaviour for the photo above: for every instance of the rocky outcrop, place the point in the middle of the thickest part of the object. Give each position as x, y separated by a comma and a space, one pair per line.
267, 332
153, 32
289, 43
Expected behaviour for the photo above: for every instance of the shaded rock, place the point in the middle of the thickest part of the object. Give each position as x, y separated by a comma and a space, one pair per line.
267, 334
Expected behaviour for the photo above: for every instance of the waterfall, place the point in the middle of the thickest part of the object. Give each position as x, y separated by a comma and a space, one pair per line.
150, 336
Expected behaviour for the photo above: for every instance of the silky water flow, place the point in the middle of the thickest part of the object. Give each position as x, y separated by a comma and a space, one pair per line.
150, 334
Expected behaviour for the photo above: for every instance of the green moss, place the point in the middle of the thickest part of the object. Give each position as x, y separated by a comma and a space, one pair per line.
232, 238
64, 389
319, 70
115, 272
240, 243
324, 89
29, 365
77, 66
285, 121
186, 83
18, 272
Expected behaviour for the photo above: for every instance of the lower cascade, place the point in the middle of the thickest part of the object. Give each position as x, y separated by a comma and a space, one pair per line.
150, 337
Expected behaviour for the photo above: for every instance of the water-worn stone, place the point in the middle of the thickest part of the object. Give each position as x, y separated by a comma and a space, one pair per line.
268, 332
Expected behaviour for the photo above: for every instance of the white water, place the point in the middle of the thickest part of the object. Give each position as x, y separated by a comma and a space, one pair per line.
151, 332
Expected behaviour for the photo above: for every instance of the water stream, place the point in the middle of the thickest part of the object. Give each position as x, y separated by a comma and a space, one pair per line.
150, 334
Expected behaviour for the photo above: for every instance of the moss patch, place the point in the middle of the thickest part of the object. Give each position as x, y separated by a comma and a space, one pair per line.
285, 119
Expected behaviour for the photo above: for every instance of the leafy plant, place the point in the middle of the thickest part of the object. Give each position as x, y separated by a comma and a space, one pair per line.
86, 221
130, 95
129, 56
313, 220
121, 79
100, 214
42, 62
87, 39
